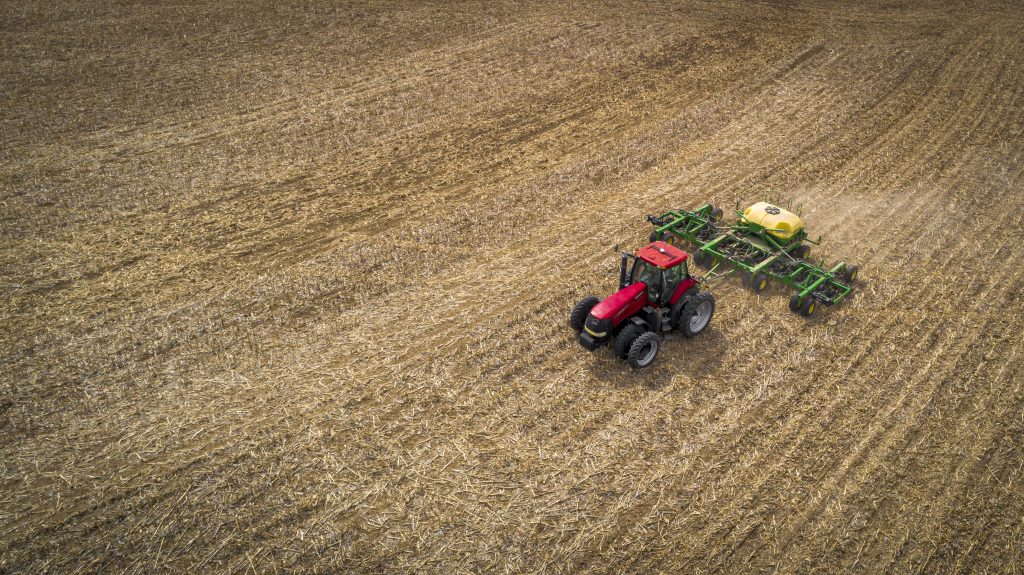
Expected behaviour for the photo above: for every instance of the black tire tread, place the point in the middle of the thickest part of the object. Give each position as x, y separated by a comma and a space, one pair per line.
755, 283
638, 345
850, 273
808, 306
580, 311
687, 313
794, 303
624, 340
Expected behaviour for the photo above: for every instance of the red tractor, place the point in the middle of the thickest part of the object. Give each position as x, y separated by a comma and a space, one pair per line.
656, 295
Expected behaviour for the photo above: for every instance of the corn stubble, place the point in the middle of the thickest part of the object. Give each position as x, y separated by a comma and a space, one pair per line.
286, 287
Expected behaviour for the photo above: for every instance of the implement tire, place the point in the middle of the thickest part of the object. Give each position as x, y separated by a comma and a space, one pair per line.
794, 303
850, 273
808, 307
759, 282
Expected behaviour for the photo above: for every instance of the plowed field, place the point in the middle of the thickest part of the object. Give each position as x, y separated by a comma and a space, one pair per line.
285, 288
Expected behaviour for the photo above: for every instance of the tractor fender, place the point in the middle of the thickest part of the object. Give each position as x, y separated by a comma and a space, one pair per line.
683, 301
688, 287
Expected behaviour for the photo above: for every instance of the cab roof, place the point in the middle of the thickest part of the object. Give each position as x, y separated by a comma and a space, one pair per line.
662, 255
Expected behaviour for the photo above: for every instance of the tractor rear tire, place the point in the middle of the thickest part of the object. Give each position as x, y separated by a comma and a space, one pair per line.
716, 214
653, 237
680, 306
808, 306
759, 282
578, 316
624, 341
644, 350
794, 303
696, 315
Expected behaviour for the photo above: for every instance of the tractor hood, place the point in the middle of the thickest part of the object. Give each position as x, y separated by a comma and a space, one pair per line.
632, 296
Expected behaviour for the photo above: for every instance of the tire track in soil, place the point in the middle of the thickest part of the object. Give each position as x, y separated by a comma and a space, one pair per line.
993, 257
948, 478
204, 447
214, 257
951, 478
887, 428
890, 244
527, 366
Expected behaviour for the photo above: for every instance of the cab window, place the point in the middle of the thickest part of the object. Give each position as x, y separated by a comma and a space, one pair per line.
650, 275
672, 279
639, 272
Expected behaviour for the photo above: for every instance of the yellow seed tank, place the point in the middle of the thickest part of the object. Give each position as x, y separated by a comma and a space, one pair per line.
780, 223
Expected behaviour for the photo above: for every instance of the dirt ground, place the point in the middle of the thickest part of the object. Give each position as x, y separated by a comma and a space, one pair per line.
285, 288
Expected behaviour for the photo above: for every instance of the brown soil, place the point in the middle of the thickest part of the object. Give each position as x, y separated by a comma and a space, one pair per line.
285, 288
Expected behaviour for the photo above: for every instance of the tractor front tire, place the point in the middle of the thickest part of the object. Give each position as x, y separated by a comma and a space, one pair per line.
696, 315
801, 251
624, 341
578, 316
644, 350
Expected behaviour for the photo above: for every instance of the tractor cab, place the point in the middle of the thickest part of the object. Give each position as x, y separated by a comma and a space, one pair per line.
662, 267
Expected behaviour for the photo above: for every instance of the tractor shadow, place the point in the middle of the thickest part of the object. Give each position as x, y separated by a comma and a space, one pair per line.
683, 361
